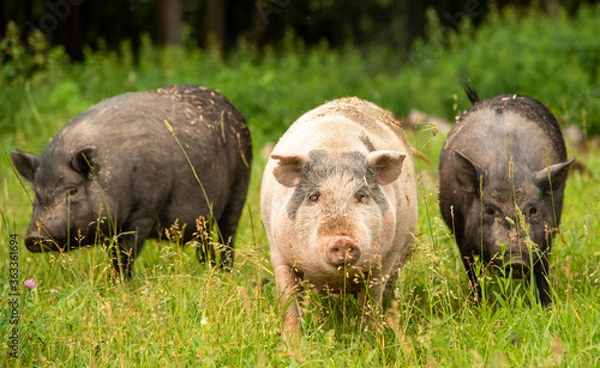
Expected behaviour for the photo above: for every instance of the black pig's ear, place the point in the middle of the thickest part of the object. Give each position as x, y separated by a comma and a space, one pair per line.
288, 169
386, 165
83, 161
468, 173
25, 163
557, 175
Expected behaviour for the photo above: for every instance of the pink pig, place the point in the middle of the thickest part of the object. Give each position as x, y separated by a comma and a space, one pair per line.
339, 204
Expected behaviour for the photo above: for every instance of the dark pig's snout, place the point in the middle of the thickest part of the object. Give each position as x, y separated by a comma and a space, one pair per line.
343, 250
36, 242
517, 267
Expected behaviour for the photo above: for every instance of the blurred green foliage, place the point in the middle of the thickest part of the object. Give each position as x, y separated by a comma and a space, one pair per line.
553, 59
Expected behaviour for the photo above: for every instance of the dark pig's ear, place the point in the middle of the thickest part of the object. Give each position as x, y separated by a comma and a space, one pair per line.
83, 161
468, 173
25, 163
288, 169
557, 174
386, 165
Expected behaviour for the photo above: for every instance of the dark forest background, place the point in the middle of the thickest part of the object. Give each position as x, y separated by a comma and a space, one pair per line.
220, 24
402, 55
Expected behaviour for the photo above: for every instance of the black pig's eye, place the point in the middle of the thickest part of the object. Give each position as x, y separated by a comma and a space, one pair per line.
71, 192
313, 198
488, 210
533, 211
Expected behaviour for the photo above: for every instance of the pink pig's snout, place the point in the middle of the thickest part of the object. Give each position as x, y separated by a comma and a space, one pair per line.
342, 250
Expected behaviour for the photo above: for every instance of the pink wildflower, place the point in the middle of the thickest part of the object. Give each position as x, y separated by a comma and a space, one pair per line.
30, 284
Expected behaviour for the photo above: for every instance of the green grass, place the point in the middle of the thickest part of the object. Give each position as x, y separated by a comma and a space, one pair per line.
176, 312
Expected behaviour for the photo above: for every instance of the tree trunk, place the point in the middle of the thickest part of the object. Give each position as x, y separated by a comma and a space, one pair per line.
70, 32
215, 20
551, 7
169, 19
260, 21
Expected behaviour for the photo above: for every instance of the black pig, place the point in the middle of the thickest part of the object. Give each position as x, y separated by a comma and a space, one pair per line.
503, 170
118, 170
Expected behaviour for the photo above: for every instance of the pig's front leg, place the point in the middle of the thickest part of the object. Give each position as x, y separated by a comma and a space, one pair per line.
541, 278
288, 287
128, 245
371, 300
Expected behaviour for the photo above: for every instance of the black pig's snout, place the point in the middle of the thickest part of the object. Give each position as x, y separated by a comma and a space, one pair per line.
343, 250
36, 242
518, 267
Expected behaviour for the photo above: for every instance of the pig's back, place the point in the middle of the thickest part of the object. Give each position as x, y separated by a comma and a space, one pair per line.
507, 125
347, 124
193, 112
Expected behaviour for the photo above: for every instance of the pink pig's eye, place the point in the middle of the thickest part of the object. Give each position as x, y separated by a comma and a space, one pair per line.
361, 197
313, 198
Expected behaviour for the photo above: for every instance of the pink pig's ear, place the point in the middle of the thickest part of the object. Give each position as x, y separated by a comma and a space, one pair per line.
386, 165
287, 171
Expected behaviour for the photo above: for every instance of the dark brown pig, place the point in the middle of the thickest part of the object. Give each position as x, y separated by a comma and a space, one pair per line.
117, 170
339, 203
503, 171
